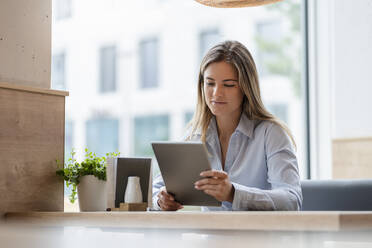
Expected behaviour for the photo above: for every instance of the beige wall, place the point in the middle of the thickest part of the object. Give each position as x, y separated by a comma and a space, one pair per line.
352, 158
25, 42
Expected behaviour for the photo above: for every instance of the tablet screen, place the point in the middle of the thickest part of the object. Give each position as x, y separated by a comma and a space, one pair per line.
180, 164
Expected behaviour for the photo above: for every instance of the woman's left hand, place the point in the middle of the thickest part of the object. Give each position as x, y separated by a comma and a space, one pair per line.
217, 184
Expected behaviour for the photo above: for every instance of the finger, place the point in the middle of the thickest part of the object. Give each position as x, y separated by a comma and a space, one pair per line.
214, 173
169, 205
212, 193
212, 181
208, 187
164, 194
168, 202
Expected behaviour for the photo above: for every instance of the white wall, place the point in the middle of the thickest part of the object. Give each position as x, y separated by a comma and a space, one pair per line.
25, 42
352, 104
340, 53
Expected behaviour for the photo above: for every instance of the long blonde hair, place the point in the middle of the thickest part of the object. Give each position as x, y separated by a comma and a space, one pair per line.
236, 54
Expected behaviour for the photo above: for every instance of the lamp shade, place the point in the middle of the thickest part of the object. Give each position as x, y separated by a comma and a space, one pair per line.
235, 3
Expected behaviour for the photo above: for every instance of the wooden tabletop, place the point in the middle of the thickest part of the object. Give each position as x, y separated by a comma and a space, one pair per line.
282, 221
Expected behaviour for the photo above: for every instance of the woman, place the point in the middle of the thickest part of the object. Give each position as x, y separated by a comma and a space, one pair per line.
252, 153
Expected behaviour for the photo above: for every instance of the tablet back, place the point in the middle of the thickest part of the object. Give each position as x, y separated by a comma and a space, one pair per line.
180, 164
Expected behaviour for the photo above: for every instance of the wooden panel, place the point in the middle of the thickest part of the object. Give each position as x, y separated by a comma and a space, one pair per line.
33, 89
31, 139
256, 220
352, 158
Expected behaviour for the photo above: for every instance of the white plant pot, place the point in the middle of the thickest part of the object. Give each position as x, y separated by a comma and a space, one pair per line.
92, 194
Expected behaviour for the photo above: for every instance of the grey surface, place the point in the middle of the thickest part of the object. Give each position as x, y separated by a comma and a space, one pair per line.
180, 164
337, 195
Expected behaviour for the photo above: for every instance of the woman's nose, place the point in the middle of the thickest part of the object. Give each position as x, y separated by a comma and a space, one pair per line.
218, 90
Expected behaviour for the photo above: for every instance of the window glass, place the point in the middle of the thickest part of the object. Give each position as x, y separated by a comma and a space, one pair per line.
160, 43
62, 9
147, 129
149, 63
102, 136
59, 71
108, 69
208, 38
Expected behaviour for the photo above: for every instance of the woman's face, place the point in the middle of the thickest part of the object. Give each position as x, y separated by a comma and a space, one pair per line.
222, 92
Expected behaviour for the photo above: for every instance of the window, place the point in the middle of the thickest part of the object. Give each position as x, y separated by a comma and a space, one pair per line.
58, 71
208, 39
269, 38
280, 111
149, 63
102, 136
147, 129
188, 116
108, 69
69, 134
62, 9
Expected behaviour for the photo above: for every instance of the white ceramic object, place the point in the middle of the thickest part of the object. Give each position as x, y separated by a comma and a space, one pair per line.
92, 194
133, 193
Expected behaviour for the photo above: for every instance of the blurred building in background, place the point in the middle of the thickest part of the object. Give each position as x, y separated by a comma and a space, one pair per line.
131, 67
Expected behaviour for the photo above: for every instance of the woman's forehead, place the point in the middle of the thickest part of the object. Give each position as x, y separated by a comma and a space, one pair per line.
217, 70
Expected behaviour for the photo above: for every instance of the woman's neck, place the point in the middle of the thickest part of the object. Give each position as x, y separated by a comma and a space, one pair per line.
226, 125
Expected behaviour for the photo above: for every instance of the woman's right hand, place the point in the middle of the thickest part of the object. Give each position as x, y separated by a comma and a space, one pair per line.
167, 202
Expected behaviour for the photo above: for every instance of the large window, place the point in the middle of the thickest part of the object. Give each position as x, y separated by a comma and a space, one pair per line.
153, 63
62, 9
102, 135
207, 39
108, 69
149, 63
147, 129
269, 37
59, 71
280, 110
69, 138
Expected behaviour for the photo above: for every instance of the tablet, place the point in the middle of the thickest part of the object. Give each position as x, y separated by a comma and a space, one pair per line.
180, 165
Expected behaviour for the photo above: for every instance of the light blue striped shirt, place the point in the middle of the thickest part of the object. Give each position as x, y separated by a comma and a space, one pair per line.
261, 164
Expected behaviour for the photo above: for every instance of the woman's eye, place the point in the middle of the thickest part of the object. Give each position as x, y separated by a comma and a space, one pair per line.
229, 85
210, 83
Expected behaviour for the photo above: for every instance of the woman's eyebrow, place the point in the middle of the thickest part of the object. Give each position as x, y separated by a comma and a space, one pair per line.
225, 80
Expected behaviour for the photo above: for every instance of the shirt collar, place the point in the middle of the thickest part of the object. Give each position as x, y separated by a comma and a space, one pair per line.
245, 126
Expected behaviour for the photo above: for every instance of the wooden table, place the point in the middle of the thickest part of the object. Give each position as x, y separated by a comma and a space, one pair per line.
190, 229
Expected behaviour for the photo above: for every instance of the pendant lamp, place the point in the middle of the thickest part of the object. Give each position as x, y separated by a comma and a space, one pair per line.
235, 3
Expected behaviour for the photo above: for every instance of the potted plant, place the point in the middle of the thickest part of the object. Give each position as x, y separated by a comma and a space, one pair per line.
88, 179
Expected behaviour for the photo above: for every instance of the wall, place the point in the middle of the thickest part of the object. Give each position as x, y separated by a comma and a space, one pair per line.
352, 104
340, 52
25, 42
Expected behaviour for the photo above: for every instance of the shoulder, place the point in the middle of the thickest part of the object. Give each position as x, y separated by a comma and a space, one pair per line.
275, 136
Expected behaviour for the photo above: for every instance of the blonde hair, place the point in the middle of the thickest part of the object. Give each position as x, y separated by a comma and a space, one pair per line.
236, 54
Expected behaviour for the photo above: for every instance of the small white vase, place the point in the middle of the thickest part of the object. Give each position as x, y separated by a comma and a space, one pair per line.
133, 193
92, 194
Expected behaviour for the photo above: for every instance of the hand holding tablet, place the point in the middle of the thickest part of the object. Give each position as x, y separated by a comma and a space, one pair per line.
180, 164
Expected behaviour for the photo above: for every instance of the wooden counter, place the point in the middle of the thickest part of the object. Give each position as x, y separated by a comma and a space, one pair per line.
280, 221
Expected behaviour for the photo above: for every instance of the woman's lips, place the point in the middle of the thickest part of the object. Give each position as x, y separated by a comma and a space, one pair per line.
218, 102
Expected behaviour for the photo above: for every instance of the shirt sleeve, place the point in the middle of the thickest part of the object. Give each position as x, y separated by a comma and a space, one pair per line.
158, 183
283, 175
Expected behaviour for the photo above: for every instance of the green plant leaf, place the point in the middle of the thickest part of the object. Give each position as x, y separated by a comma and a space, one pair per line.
72, 170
